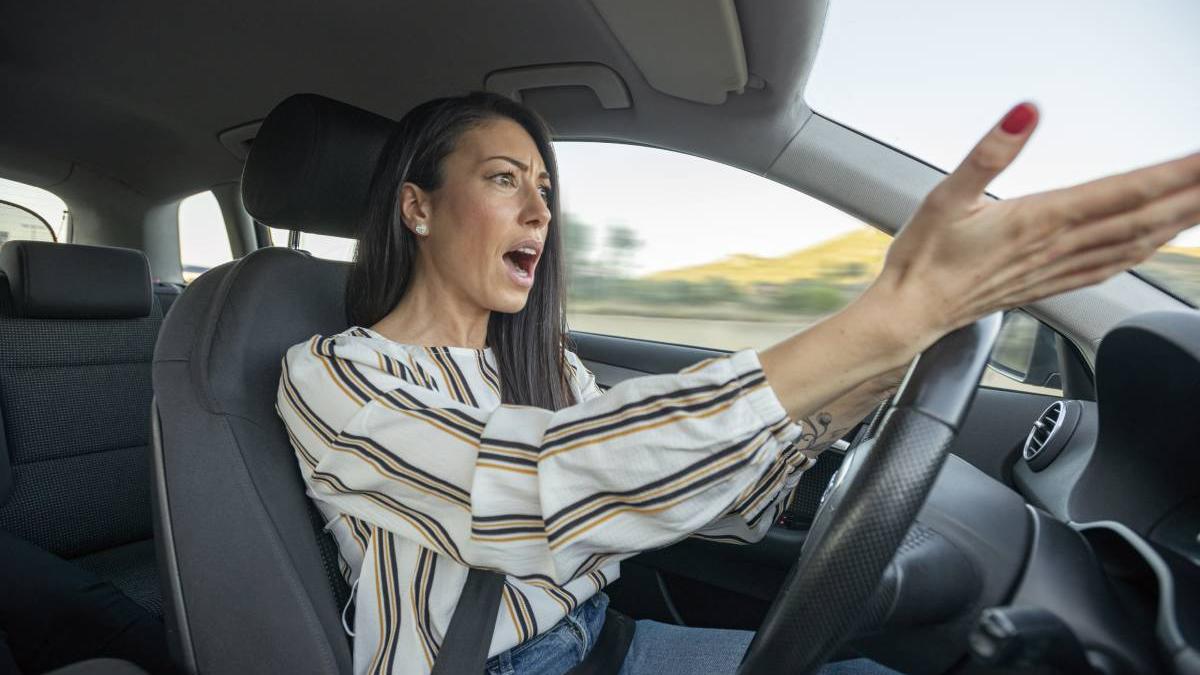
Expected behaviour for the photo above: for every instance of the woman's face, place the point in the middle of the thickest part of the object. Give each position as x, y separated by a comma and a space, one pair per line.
489, 218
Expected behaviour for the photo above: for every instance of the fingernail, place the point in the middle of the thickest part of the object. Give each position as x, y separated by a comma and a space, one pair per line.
1017, 119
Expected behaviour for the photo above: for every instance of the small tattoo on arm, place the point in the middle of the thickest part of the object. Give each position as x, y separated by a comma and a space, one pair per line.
819, 425
817, 434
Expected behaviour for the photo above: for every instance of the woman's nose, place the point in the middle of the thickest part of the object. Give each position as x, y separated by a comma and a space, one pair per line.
537, 211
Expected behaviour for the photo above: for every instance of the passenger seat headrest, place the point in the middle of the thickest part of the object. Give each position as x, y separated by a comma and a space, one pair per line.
311, 164
73, 281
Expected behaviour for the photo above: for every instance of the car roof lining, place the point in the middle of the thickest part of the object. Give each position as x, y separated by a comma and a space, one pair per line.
140, 91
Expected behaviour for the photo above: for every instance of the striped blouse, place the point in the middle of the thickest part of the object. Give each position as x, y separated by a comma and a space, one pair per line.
420, 473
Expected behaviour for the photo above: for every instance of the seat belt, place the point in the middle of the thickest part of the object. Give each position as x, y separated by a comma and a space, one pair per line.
608, 654
465, 647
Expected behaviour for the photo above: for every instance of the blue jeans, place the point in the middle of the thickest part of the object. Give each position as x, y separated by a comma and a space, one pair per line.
657, 649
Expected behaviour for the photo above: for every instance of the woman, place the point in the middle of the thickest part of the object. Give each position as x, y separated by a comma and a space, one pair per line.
449, 427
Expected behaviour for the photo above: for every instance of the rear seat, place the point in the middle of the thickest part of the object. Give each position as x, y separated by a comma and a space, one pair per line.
166, 294
77, 331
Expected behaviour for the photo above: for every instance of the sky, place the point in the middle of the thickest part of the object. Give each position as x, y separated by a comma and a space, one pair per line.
687, 210
1117, 82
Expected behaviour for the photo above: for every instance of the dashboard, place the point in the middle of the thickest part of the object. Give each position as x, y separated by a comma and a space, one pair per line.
1124, 472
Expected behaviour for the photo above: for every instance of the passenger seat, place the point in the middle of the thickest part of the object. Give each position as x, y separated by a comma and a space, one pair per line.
77, 331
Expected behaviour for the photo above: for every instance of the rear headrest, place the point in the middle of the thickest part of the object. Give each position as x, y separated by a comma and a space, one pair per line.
311, 165
72, 281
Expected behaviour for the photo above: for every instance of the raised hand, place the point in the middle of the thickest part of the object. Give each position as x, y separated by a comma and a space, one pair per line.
964, 255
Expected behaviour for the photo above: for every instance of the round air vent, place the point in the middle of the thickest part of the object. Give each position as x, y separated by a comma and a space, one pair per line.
1050, 433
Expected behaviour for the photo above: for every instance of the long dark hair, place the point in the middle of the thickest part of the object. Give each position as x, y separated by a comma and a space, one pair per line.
528, 345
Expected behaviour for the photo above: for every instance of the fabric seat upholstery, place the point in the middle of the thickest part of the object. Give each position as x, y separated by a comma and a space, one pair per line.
235, 523
78, 325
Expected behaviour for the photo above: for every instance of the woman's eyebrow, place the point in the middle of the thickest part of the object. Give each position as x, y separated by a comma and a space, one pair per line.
519, 164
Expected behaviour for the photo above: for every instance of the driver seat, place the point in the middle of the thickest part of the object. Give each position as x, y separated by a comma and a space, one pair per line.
252, 583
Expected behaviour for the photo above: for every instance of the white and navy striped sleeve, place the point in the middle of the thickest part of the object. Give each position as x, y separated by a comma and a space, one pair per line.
749, 518
534, 493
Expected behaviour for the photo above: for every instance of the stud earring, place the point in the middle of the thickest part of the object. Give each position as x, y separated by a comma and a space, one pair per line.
422, 229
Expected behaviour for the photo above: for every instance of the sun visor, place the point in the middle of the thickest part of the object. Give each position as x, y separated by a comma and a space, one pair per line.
311, 163
691, 49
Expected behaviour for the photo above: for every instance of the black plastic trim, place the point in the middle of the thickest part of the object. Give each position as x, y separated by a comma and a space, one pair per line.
1145, 461
631, 353
1051, 487
1167, 625
6, 479
179, 634
1064, 577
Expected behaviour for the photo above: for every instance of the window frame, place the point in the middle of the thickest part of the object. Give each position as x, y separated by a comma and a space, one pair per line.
26, 209
860, 225
183, 272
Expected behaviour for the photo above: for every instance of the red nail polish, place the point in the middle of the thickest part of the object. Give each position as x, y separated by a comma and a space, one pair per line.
1017, 119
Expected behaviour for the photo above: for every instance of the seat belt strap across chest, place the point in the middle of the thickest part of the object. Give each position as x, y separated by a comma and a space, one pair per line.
465, 647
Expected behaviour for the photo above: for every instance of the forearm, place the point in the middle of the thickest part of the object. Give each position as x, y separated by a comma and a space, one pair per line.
825, 426
812, 371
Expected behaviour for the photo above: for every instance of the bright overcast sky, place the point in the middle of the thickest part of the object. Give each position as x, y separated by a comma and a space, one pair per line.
1118, 81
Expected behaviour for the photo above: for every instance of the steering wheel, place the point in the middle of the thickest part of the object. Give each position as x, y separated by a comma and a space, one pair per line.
872, 502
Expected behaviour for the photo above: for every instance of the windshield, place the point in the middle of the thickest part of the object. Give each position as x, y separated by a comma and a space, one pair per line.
1116, 83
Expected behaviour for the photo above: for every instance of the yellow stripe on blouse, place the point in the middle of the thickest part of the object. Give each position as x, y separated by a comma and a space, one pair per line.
421, 473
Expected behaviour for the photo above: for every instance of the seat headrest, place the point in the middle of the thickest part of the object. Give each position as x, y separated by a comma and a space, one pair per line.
73, 281
311, 164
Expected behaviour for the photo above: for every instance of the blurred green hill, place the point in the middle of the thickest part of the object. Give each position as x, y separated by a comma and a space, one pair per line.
855, 259
850, 259
809, 282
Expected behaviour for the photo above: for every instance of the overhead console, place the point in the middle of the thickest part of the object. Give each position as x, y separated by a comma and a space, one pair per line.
691, 49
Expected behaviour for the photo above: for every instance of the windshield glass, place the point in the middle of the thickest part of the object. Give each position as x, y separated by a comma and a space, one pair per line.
1116, 83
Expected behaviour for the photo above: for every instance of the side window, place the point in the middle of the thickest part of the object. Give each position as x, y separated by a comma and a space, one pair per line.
203, 239
320, 245
1026, 357
669, 247
31, 213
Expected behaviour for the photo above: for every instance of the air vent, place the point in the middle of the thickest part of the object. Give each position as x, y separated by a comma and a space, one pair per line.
1043, 428
1050, 433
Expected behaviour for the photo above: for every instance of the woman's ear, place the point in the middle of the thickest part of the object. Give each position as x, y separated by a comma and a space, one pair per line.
415, 207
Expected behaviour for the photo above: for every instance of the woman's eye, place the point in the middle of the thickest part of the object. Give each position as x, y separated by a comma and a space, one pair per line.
505, 179
545, 191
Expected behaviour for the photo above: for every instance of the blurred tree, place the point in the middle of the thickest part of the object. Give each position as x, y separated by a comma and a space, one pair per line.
621, 244
809, 297
846, 270
577, 248
717, 289
621, 238
577, 242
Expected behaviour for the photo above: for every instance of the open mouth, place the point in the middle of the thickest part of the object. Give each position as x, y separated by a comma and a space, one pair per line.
522, 260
